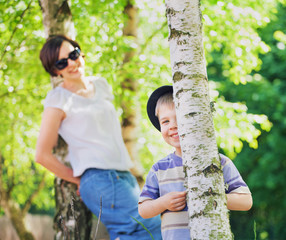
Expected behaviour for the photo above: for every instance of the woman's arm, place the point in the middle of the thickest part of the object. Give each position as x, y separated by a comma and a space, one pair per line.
239, 201
52, 118
173, 201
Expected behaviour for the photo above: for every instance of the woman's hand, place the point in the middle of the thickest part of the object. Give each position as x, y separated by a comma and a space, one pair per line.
78, 186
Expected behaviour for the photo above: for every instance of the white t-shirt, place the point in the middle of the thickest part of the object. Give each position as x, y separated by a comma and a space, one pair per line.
91, 128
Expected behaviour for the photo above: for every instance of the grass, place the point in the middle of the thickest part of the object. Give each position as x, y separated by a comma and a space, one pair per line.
143, 227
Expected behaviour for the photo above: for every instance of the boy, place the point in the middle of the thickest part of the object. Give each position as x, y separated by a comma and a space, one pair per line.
163, 192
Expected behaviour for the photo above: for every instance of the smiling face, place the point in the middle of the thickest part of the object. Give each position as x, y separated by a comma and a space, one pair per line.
168, 123
75, 68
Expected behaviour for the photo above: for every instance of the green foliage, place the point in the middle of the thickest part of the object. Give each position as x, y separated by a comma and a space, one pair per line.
231, 29
234, 125
22, 88
262, 168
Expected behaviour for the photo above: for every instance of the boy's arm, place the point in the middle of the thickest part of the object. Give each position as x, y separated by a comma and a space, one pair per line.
238, 194
239, 201
173, 201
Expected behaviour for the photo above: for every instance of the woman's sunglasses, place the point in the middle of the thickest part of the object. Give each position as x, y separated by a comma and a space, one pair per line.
63, 63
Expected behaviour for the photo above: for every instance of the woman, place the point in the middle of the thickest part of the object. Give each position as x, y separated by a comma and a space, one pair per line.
80, 109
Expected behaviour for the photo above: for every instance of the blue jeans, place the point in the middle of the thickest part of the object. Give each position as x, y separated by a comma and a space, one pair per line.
118, 193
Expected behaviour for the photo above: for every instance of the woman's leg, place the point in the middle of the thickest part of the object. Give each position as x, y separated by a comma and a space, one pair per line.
127, 186
116, 194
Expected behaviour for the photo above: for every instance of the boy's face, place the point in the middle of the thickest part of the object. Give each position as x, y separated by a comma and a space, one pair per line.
168, 123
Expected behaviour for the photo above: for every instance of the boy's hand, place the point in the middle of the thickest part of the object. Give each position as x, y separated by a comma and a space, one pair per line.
175, 201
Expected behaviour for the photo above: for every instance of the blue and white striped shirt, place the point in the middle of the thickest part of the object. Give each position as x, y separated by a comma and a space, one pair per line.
167, 175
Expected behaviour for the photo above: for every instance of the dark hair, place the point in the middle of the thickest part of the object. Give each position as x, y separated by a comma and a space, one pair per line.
152, 103
50, 52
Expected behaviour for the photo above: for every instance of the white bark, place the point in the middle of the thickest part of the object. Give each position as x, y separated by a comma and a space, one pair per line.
57, 18
208, 214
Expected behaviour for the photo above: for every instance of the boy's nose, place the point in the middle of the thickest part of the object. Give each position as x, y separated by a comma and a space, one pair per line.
173, 125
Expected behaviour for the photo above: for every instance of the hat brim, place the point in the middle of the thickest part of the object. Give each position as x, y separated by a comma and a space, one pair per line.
152, 102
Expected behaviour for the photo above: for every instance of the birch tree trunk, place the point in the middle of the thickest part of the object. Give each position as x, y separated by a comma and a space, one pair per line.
130, 107
208, 214
72, 219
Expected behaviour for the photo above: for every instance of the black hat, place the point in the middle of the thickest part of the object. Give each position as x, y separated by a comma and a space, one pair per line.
152, 102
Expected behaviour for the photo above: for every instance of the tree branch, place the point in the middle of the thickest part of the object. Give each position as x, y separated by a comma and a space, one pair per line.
29, 201
11, 186
14, 31
151, 37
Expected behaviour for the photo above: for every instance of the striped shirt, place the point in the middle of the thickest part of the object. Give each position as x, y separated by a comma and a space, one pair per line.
167, 176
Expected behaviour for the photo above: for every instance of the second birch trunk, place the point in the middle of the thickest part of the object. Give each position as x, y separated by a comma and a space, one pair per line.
130, 106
